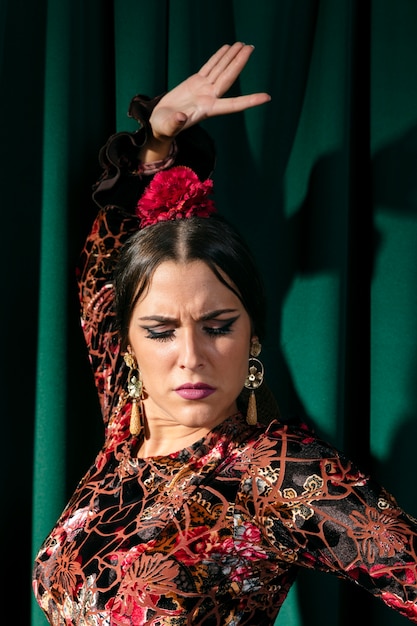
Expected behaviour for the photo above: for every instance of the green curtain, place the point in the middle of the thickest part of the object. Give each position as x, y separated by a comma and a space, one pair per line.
322, 181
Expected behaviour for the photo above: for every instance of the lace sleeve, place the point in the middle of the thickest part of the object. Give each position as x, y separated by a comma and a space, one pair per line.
315, 509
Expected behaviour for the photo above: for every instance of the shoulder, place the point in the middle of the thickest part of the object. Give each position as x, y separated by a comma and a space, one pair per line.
294, 437
292, 453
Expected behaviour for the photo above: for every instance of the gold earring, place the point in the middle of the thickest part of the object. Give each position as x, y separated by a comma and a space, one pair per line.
253, 380
135, 391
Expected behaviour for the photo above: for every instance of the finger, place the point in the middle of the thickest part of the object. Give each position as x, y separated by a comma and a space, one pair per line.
220, 60
231, 63
223, 106
166, 122
230, 73
213, 60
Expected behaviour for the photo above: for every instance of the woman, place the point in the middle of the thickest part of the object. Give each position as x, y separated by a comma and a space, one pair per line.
194, 512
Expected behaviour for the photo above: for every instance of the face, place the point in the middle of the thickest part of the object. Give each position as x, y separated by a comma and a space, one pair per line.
191, 338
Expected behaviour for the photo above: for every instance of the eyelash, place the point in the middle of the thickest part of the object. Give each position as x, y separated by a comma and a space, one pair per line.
168, 335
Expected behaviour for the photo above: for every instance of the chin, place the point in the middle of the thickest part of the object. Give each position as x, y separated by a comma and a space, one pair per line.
204, 417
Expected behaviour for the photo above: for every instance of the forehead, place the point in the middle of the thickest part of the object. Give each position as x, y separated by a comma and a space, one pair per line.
187, 282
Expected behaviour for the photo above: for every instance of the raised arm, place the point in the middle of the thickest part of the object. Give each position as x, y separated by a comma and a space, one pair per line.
123, 180
200, 97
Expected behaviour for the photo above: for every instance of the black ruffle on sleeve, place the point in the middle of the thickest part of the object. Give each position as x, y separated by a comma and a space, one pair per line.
120, 183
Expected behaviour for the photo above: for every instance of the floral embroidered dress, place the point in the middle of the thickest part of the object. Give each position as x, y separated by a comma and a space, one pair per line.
213, 534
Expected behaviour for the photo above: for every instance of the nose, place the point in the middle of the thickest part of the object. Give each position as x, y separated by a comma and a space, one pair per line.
190, 350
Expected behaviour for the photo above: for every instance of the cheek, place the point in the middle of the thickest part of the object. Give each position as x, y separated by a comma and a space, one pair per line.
154, 356
244, 368
237, 358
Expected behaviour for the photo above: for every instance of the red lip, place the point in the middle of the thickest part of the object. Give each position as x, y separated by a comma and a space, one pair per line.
194, 386
197, 391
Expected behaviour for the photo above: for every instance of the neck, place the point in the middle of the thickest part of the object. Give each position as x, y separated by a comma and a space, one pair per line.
163, 435
162, 444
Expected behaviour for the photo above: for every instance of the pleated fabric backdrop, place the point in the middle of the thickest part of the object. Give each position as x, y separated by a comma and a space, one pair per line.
322, 181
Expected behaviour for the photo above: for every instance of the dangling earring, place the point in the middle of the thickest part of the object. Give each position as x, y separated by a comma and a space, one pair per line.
254, 379
135, 391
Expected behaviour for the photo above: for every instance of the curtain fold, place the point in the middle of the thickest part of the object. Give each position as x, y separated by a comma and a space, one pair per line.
321, 181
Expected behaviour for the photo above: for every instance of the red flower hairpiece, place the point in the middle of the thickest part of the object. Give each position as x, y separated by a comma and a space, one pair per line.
173, 194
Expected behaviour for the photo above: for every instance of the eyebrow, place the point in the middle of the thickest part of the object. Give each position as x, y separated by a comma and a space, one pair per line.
207, 316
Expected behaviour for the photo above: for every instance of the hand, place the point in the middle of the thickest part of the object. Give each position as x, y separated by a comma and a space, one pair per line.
200, 97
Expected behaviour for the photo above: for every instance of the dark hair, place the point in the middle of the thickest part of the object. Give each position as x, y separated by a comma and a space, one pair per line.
212, 240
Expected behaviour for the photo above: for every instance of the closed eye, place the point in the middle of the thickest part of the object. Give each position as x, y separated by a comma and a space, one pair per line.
219, 328
223, 329
159, 335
